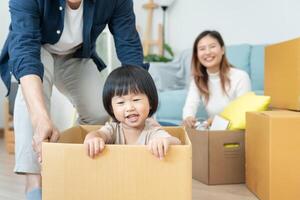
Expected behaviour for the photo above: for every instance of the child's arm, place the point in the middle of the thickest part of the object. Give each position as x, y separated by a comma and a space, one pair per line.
159, 146
94, 143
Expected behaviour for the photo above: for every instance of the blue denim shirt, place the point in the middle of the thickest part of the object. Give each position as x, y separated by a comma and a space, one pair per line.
36, 22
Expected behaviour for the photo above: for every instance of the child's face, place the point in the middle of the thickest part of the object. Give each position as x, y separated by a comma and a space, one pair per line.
132, 109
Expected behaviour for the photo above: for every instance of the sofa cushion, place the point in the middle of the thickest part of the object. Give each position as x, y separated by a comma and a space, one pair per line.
257, 63
238, 56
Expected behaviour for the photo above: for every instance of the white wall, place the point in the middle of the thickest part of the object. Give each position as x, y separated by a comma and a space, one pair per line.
4, 16
239, 21
5, 20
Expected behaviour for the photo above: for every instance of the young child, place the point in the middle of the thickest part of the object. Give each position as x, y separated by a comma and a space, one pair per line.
130, 98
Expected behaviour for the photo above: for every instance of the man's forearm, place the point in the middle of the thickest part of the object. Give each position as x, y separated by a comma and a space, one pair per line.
32, 89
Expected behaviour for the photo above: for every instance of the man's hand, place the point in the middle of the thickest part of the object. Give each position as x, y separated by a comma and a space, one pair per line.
43, 128
44, 131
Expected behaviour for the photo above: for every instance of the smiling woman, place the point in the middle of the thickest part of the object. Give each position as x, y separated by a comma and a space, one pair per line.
215, 82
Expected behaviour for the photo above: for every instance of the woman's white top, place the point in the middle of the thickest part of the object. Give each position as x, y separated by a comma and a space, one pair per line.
71, 38
239, 84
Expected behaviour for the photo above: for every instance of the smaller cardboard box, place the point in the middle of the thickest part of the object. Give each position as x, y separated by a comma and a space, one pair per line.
218, 156
272, 154
282, 74
120, 172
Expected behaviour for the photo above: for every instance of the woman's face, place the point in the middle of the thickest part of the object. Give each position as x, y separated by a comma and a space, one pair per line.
210, 53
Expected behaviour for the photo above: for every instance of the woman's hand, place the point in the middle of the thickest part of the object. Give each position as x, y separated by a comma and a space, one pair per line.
189, 122
94, 144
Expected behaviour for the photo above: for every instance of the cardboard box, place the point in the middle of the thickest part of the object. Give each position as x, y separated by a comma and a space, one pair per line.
218, 156
282, 74
121, 172
272, 154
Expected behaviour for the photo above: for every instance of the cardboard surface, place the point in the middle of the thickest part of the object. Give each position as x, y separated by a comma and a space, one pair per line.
282, 74
218, 156
272, 154
120, 172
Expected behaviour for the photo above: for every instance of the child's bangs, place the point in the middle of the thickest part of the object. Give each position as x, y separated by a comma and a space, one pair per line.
125, 89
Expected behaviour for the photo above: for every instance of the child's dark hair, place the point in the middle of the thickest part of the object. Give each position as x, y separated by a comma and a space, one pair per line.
129, 79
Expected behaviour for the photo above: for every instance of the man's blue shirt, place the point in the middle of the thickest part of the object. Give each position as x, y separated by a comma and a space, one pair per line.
37, 22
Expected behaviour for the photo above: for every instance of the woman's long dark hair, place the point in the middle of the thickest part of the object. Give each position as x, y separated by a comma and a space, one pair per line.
199, 71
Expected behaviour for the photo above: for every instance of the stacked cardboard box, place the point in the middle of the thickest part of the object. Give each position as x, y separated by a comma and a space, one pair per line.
272, 154
282, 74
120, 172
273, 137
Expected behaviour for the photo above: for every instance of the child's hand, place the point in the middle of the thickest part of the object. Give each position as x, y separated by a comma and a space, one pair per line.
93, 145
159, 147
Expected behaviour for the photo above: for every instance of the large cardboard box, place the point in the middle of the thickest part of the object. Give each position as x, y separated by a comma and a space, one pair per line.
282, 74
272, 154
218, 156
121, 172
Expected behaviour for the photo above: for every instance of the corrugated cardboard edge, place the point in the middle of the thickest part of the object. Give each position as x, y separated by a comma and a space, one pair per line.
261, 187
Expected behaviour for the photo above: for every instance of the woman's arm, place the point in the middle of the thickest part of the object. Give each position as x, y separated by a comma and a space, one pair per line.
243, 84
190, 108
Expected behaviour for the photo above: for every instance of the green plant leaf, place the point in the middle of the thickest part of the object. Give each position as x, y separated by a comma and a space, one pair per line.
156, 58
168, 49
159, 58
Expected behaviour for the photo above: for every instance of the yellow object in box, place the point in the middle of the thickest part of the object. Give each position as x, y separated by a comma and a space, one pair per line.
235, 111
282, 74
120, 172
272, 154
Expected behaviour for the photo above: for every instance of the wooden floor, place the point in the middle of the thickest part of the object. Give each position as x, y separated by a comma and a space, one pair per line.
12, 186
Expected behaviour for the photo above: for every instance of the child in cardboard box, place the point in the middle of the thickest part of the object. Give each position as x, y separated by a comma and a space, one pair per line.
215, 81
130, 98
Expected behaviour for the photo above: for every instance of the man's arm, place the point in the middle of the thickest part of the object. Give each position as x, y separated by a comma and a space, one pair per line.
122, 26
43, 128
24, 52
25, 39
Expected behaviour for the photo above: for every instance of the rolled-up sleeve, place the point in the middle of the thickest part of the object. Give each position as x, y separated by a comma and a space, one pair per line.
122, 26
25, 44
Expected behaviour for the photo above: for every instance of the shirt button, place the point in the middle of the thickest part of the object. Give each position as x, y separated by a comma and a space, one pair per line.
58, 32
60, 8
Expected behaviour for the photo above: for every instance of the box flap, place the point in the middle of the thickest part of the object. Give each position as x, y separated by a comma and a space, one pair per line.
278, 113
